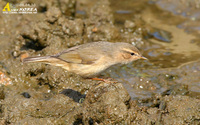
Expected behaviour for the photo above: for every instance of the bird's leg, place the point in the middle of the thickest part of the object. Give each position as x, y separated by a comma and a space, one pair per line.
98, 79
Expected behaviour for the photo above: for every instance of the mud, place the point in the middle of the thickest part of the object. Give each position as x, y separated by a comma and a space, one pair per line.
163, 90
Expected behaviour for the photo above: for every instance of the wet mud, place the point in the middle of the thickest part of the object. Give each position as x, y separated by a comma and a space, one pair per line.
163, 90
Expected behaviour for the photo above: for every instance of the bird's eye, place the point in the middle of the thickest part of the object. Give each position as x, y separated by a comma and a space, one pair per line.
132, 54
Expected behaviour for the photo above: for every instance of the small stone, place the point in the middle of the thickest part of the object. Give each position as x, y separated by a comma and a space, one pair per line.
23, 55
26, 94
152, 110
129, 24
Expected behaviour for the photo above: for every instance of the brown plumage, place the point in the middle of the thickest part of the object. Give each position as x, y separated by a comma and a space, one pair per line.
90, 59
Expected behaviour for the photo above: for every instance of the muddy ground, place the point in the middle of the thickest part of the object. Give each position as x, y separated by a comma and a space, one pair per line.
146, 92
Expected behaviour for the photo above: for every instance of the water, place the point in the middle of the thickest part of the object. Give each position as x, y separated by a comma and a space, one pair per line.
173, 40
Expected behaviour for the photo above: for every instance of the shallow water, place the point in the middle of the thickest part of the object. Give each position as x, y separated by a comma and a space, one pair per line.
184, 46
174, 42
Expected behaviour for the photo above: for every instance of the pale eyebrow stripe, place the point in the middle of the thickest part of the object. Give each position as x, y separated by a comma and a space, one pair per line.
129, 51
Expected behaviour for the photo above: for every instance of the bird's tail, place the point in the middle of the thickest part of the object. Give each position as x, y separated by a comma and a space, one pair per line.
48, 60
37, 59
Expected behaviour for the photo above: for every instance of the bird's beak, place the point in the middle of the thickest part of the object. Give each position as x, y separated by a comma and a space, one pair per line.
142, 57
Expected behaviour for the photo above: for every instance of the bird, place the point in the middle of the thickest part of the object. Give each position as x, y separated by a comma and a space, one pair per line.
90, 59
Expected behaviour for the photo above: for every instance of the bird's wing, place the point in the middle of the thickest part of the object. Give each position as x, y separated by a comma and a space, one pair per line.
79, 56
